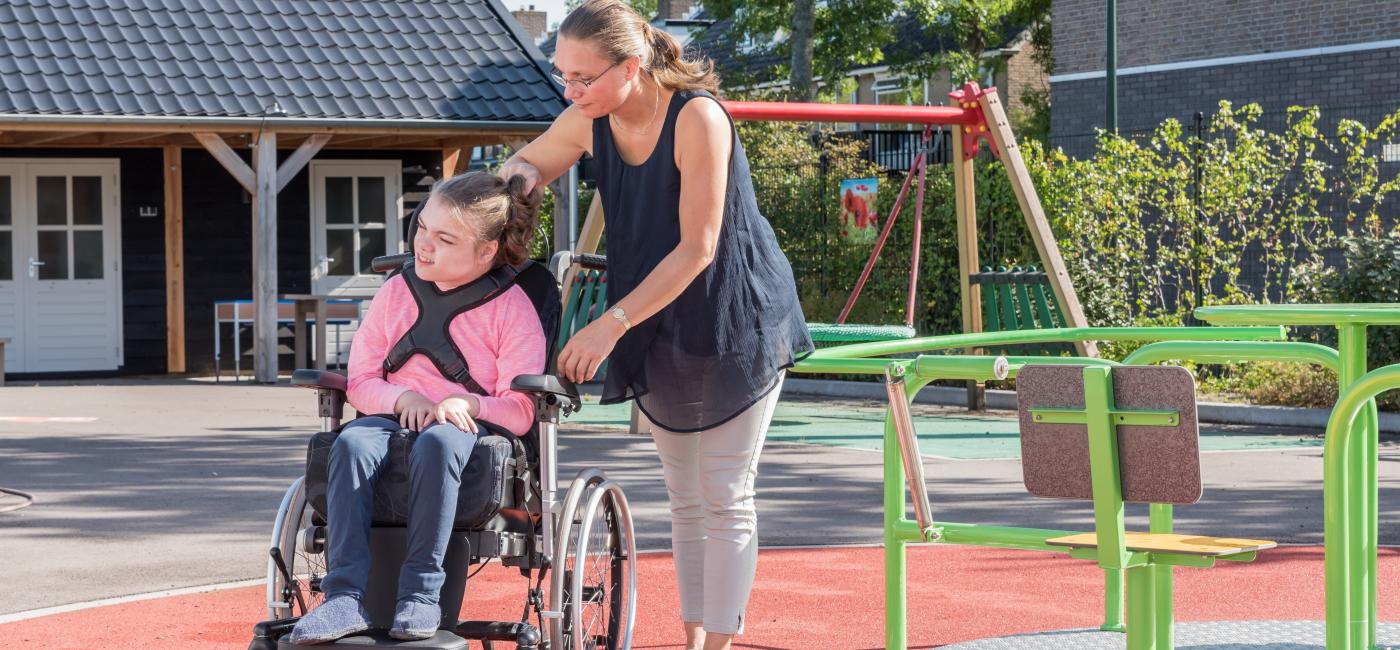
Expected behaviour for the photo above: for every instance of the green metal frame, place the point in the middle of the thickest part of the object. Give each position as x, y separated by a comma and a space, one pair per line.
1153, 584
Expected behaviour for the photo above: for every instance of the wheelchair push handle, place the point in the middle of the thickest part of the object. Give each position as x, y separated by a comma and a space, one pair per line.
591, 261
387, 263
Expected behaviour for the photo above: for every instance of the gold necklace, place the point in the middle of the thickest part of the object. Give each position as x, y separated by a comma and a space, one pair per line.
655, 106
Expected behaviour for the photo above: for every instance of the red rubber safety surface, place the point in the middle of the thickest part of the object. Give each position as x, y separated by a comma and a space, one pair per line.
803, 598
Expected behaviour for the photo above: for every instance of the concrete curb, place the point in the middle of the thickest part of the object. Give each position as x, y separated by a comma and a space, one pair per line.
1005, 400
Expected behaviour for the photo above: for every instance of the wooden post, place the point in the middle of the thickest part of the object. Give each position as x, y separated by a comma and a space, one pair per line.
588, 238
451, 158
265, 260
965, 207
1039, 227
174, 262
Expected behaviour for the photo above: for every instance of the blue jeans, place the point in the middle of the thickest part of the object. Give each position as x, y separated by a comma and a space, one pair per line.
436, 462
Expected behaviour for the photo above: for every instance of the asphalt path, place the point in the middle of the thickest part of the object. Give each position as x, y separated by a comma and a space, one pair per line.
148, 485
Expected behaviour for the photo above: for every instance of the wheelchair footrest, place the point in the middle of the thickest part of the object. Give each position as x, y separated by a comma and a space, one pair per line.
521, 634
443, 640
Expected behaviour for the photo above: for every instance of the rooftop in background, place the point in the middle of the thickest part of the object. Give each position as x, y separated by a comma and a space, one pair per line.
465, 60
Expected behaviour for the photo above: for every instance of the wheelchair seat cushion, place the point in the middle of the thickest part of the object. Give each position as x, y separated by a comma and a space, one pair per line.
496, 477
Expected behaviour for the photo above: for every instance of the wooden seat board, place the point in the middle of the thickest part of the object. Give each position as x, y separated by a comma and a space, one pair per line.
1171, 543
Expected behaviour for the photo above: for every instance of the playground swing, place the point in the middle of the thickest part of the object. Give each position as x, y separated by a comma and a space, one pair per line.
978, 117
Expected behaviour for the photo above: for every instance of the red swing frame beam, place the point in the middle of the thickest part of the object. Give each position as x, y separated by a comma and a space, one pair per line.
967, 114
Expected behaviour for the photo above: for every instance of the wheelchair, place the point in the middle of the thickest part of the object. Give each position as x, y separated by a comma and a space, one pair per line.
583, 545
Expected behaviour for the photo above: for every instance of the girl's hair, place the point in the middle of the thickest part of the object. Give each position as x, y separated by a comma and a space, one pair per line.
493, 209
619, 32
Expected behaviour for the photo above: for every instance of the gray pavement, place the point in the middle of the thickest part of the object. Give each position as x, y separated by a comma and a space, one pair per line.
176, 482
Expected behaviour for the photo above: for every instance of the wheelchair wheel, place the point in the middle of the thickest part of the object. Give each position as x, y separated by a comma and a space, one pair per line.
296, 560
598, 572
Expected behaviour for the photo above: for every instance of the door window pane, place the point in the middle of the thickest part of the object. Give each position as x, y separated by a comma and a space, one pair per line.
4, 200
340, 247
87, 200
371, 199
371, 246
52, 193
53, 252
87, 254
7, 256
340, 195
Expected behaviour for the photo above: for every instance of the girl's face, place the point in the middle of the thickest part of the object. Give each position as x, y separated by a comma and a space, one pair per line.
446, 252
608, 84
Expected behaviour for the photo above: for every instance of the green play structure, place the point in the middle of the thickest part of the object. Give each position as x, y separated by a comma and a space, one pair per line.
1109, 420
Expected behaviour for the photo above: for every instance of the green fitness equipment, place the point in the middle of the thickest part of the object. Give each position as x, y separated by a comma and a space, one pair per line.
1349, 486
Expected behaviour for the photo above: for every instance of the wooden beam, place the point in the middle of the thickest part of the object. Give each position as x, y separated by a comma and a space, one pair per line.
588, 239
451, 162
516, 143
1041, 234
216, 147
31, 139
265, 259
965, 206
117, 139
174, 261
295, 162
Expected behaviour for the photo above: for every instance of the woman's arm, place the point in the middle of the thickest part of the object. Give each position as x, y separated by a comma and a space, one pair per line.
553, 153
704, 143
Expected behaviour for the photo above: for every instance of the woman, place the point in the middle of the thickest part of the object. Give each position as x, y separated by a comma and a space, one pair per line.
704, 317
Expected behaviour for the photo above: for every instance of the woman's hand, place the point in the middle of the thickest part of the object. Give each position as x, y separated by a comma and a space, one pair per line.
517, 167
459, 411
587, 349
415, 411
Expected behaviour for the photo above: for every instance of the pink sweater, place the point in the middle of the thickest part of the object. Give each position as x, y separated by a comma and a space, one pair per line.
500, 339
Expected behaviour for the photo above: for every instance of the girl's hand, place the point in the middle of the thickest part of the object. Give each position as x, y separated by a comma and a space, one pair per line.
415, 411
520, 168
587, 349
459, 411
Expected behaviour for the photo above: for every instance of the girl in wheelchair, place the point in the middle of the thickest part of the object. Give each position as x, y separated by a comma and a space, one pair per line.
471, 229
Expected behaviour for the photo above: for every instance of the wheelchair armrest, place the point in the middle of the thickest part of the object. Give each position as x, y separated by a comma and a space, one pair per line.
547, 386
330, 390
319, 379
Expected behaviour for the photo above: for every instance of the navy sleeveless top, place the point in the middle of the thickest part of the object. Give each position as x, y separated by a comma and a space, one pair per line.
720, 346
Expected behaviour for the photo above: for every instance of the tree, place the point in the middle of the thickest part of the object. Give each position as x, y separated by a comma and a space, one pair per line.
841, 34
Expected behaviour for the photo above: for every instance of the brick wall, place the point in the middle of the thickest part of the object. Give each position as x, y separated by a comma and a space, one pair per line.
1353, 80
535, 23
1023, 75
1152, 32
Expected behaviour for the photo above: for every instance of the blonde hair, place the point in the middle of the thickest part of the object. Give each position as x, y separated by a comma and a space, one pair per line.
619, 32
493, 209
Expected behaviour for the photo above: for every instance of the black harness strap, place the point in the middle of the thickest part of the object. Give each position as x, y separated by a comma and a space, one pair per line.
429, 335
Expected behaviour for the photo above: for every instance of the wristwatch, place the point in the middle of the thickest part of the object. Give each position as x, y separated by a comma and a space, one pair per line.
621, 317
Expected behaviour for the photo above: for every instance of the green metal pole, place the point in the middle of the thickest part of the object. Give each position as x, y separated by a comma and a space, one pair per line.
1142, 626
1053, 335
1113, 601
1111, 69
1234, 352
895, 557
1351, 344
896, 603
1160, 521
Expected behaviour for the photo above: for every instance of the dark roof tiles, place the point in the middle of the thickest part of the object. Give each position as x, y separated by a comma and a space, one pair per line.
363, 59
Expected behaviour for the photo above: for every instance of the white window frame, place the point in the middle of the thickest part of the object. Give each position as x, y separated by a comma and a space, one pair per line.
360, 283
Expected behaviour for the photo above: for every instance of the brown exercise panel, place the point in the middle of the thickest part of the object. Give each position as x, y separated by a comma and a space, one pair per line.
1157, 464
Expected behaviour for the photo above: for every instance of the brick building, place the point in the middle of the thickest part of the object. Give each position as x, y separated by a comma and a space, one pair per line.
1176, 58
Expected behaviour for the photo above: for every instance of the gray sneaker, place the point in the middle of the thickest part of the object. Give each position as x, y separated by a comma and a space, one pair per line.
414, 621
340, 616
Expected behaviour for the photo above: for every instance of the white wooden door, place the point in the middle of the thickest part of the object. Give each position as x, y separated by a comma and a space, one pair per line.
355, 207
13, 267
70, 286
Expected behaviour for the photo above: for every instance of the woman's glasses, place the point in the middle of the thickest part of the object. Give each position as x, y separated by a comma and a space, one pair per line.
558, 77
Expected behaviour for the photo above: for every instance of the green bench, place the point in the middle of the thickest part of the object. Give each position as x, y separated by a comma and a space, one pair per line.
1018, 298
